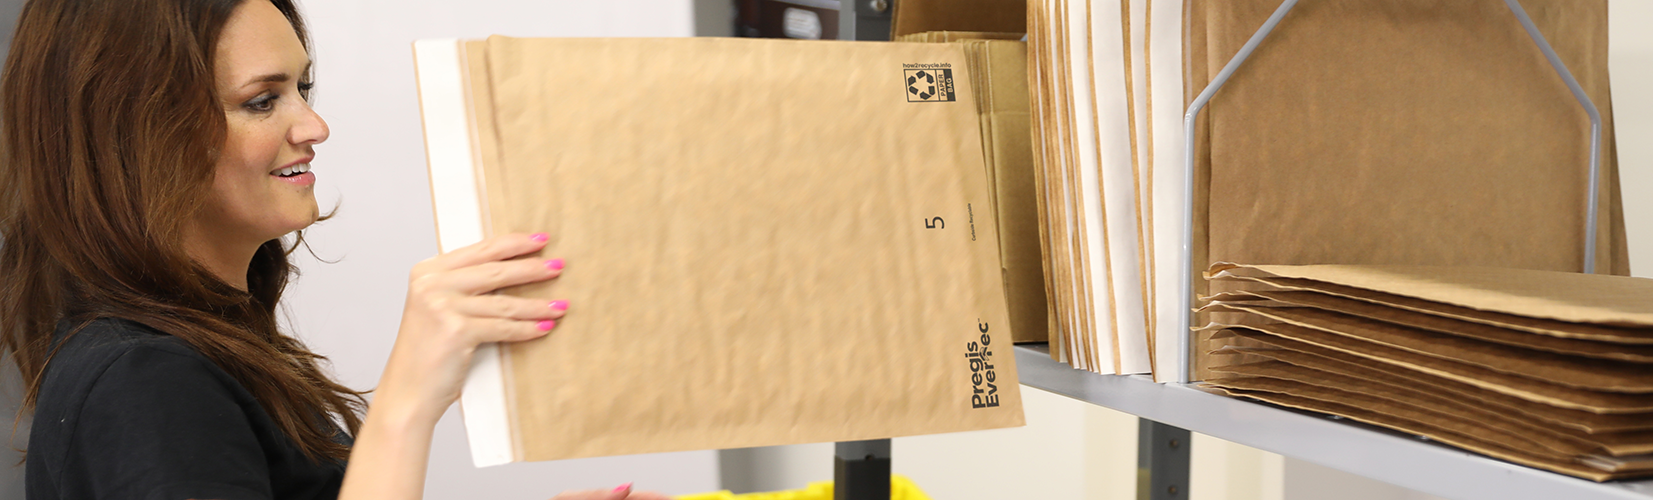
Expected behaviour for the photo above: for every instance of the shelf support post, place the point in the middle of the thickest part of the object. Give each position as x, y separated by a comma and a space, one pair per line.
861, 470
1162, 457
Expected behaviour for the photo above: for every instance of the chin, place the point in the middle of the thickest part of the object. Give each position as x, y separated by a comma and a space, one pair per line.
305, 223
299, 222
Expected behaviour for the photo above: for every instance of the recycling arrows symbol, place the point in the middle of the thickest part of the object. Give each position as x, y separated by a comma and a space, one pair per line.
930, 85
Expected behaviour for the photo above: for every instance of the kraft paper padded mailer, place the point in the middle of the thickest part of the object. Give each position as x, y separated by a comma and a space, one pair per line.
999, 69
919, 16
1429, 133
768, 242
1543, 368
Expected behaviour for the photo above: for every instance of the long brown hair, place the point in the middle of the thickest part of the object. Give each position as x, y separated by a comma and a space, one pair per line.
109, 130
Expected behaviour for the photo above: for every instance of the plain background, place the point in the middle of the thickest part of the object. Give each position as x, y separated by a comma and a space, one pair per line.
373, 169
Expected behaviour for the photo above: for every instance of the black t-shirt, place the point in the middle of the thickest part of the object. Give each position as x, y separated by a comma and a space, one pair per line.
128, 412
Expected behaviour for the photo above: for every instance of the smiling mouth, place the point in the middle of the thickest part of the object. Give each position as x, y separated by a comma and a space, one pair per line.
292, 171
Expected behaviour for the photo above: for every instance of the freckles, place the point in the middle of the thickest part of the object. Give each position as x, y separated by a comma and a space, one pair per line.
252, 144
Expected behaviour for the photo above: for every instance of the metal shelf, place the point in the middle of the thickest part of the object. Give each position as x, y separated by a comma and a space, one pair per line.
1387, 456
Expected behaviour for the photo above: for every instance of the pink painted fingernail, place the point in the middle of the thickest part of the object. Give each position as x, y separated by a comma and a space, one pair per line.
545, 326
560, 305
540, 237
622, 487
553, 264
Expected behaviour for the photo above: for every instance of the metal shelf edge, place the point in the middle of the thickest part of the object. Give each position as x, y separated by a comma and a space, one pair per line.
1409, 462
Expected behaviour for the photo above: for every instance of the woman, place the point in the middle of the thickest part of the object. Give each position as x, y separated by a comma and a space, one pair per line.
156, 153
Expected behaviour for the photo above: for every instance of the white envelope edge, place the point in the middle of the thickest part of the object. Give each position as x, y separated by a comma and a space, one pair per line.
1169, 203
456, 199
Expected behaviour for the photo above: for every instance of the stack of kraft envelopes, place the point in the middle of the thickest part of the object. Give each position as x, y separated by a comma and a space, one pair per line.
1545, 369
998, 70
1381, 132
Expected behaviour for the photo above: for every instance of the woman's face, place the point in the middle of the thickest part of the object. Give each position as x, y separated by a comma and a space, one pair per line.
263, 189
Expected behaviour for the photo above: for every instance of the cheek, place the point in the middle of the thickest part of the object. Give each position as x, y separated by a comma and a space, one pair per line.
249, 146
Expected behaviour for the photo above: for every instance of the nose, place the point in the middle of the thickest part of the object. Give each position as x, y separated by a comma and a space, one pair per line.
309, 129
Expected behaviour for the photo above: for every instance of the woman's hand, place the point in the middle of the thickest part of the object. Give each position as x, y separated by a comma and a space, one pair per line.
451, 310
622, 493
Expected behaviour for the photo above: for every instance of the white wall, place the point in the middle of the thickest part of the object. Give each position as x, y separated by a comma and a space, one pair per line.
1630, 62
374, 167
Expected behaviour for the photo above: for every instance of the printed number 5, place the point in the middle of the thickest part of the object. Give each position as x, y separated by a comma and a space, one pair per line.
935, 223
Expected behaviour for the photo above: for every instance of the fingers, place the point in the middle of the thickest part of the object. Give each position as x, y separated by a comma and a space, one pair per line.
508, 330
589, 495
504, 307
623, 492
490, 276
493, 249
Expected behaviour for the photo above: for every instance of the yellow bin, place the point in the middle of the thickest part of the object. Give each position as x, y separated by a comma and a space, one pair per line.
901, 488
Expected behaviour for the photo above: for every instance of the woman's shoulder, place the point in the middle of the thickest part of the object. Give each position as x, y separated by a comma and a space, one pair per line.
128, 407
115, 369
120, 354
113, 335
106, 339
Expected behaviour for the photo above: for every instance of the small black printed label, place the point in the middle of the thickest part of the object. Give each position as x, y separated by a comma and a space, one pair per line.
984, 393
929, 82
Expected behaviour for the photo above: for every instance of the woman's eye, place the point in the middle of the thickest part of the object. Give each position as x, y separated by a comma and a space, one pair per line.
304, 89
262, 103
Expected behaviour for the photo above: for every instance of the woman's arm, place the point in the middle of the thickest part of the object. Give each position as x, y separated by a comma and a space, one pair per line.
390, 454
450, 310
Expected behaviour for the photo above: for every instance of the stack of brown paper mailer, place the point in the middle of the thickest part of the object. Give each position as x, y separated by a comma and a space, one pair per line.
998, 67
1546, 369
1382, 132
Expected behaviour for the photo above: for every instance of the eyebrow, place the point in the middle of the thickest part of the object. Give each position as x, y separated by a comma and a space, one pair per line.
276, 77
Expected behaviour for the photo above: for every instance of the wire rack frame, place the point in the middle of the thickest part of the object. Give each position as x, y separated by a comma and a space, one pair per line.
1186, 263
